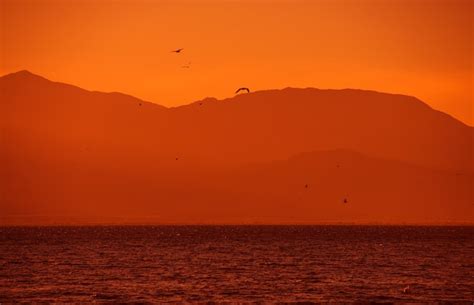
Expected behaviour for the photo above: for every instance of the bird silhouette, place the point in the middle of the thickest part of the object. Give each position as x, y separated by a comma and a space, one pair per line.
177, 50
187, 66
242, 89
345, 200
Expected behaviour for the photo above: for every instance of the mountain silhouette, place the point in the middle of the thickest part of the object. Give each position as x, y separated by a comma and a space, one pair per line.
69, 151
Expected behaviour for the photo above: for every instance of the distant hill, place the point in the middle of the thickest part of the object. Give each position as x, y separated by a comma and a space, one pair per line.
69, 151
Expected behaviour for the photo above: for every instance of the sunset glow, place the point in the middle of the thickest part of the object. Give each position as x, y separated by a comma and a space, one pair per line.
419, 48
236, 152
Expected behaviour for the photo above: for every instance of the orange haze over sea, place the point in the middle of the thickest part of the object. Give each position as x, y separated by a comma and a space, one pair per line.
420, 48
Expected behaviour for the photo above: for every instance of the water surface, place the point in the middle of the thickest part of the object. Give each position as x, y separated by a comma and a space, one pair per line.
236, 263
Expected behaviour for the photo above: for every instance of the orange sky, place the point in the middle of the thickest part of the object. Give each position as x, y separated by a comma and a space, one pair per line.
421, 48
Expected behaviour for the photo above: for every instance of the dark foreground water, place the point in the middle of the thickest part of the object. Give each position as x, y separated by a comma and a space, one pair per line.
236, 263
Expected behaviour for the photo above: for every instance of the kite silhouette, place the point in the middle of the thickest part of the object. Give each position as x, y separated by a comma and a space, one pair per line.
242, 89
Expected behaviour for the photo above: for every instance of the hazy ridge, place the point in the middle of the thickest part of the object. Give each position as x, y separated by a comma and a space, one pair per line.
269, 156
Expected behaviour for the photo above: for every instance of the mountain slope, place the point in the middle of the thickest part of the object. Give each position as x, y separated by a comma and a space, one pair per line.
261, 126
308, 188
69, 151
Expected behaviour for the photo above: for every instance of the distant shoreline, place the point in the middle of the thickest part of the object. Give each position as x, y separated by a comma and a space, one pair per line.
280, 224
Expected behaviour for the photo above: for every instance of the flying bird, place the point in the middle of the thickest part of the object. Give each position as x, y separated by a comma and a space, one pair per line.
242, 89
345, 200
177, 50
187, 66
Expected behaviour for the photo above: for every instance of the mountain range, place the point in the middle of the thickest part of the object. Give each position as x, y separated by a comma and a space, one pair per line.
273, 156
